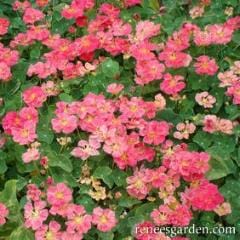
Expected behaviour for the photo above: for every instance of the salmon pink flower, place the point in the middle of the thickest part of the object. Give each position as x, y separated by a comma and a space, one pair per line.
146, 29
225, 126
196, 196
59, 194
175, 59
143, 231
50, 231
210, 123
160, 101
24, 135
202, 38
234, 91
181, 216
21, 6
5, 72
35, 214
42, 3
228, 78
3, 213
34, 97
33, 192
86, 149
32, 154
205, 99
155, 132
236, 67
115, 88
220, 34
184, 130
105, 219
161, 216
115, 146
223, 209
32, 15
79, 220
138, 184
172, 85
130, 3
148, 71
4, 24
206, 65
65, 123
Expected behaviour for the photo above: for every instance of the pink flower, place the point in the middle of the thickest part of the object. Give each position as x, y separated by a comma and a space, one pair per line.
161, 216
172, 85
105, 219
160, 101
50, 88
234, 91
29, 114
72, 11
34, 97
227, 78
35, 214
109, 10
59, 194
50, 231
32, 154
223, 209
33, 193
202, 38
42, 70
205, 99
191, 165
21, 6
236, 67
143, 51
8, 56
213, 124
115, 146
10, 121
175, 59
155, 132
196, 196
181, 216
65, 123
79, 220
196, 11
5, 72
32, 15
3, 213
145, 30
42, 3
130, 3
138, 184
225, 126
206, 65
210, 123
143, 231
148, 71
24, 135
114, 88
86, 149
4, 24
184, 130
220, 34
179, 41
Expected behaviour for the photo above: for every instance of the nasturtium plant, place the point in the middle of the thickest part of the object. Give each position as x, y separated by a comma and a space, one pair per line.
119, 118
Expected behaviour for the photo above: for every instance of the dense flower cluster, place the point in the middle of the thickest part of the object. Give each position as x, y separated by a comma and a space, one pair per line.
144, 122
58, 202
